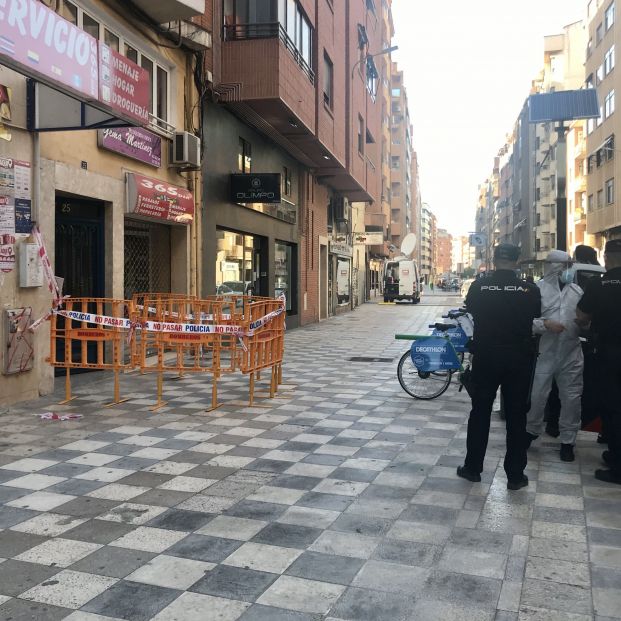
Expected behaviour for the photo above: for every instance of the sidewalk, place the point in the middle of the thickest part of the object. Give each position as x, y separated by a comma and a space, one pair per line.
338, 501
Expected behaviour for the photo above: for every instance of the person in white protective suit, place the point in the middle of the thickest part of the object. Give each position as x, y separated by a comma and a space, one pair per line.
560, 353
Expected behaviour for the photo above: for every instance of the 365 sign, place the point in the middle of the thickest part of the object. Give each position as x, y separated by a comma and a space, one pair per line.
260, 188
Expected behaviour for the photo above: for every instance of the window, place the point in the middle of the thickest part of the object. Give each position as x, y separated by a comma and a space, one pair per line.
609, 104
90, 26
589, 49
111, 40
396, 92
328, 81
159, 100
283, 273
286, 181
360, 135
371, 6
610, 191
131, 53
69, 11
609, 16
590, 203
599, 74
599, 34
285, 19
600, 199
244, 156
395, 162
609, 60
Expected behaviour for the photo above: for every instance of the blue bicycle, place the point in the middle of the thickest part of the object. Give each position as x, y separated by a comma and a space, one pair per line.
426, 369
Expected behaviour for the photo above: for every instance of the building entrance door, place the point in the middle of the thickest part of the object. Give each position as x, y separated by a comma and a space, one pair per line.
80, 255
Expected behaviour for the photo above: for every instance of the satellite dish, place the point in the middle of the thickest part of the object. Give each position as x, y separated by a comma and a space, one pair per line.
408, 244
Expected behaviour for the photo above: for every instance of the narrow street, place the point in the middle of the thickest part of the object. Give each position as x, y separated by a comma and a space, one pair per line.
338, 500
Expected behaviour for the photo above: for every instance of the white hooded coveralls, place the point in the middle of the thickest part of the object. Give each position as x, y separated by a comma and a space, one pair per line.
560, 355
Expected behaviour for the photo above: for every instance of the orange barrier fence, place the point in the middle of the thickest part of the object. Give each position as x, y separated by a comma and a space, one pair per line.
169, 333
89, 333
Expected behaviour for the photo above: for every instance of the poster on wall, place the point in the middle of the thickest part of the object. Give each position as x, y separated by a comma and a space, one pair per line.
5, 112
15, 197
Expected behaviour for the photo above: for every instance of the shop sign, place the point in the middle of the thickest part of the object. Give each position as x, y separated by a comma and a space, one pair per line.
134, 142
370, 239
159, 200
341, 248
260, 188
38, 42
123, 85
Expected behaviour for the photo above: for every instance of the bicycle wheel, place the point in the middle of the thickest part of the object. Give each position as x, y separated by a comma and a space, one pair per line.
421, 385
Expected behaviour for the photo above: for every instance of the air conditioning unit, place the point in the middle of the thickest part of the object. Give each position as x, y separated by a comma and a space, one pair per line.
186, 150
342, 209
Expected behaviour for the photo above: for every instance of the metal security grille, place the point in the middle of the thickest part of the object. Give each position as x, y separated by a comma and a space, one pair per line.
147, 258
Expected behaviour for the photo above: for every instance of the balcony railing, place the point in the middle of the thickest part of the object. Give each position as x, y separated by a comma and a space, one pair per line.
272, 30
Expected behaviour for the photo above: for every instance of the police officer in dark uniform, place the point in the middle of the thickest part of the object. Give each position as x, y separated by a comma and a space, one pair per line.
503, 307
601, 306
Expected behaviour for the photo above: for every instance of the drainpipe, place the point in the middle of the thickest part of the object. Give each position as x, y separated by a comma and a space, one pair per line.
36, 177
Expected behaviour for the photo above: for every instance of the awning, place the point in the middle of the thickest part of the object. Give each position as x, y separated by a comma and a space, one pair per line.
157, 200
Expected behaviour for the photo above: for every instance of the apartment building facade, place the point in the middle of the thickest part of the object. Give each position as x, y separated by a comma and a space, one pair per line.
401, 156
444, 253
603, 209
117, 211
427, 235
295, 89
378, 214
562, 70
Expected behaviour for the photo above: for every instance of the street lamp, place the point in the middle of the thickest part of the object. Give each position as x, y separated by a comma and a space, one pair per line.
388, 50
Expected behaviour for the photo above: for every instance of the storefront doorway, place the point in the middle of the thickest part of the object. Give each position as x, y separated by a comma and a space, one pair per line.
79, 258
147, 258
80, 246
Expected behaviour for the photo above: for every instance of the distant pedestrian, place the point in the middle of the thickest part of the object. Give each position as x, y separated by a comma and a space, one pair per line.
601, 306
431, 286
503, 308
560, 353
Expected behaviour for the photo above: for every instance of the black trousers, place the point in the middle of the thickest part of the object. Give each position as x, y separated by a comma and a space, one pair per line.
512, 372
609, 366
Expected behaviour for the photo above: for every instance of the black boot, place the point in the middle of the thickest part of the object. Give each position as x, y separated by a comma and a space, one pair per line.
517, 483
552, 429
567, 452
464, 473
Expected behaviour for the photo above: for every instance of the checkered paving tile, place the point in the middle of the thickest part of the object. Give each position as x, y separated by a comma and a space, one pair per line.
336, 501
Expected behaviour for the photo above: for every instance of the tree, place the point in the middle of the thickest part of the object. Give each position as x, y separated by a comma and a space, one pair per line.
468, 273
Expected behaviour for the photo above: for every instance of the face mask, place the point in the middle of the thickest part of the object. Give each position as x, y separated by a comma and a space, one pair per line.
567, 276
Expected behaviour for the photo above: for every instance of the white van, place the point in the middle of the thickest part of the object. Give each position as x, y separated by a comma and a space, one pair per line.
401, 281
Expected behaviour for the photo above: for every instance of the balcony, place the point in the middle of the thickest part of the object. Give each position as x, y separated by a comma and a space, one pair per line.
269, 83
375, 221
161, 11
579, 215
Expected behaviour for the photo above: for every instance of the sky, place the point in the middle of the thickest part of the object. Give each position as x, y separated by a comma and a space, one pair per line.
468, 68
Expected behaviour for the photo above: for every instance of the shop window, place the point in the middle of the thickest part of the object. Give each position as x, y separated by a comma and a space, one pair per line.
343, 281
237, 269
284, 274
244, 157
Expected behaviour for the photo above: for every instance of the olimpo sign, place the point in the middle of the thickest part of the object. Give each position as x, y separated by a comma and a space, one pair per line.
36, 41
